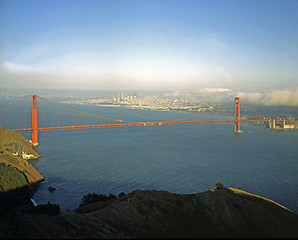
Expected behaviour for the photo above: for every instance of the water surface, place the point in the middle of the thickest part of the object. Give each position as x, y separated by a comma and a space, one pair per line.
177, 158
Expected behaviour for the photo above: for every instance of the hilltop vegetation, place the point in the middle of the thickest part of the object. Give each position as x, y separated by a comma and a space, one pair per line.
11, 178
224, 212
15, 170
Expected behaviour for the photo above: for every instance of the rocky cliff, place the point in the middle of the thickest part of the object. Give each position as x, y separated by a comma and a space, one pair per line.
18, 178
15, 170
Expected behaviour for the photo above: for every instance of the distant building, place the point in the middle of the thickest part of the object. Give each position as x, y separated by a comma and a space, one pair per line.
281, 124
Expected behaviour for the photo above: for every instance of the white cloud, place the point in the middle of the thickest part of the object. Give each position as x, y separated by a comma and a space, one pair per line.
72, 70
23, 68
273, 97
154, 72
149, 73
215, 90
181, 93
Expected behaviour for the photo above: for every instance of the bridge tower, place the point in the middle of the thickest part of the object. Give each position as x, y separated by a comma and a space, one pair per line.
237, 115
34, 122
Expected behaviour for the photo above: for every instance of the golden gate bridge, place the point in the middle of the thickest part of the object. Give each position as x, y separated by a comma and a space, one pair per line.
82, 120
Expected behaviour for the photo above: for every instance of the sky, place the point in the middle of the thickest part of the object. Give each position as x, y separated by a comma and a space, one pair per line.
243, 46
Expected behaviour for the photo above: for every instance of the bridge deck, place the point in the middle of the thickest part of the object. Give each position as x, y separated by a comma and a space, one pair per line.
134, 124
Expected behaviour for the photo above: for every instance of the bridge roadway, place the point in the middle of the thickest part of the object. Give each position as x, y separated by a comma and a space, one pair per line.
134, 124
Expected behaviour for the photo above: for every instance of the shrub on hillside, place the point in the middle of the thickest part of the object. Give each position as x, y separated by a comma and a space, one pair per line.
49, 209
219, 185
93, 197
11, 178
121, 194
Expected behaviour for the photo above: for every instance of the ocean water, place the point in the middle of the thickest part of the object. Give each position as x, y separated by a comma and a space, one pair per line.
182, 159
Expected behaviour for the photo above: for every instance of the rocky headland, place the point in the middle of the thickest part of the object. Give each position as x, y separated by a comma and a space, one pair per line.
222, 212
18, 178
15, 170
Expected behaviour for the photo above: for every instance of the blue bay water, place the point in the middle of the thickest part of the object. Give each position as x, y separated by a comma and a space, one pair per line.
176, 158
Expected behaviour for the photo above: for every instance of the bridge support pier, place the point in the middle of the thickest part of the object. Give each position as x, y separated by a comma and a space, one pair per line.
237, 115
34, 122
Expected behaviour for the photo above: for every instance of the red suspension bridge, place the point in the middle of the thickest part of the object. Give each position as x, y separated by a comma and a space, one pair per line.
81, 120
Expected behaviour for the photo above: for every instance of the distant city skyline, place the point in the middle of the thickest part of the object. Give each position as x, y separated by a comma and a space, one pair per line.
207, 46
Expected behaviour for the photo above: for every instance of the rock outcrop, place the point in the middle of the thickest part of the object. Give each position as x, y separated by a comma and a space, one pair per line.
15, 170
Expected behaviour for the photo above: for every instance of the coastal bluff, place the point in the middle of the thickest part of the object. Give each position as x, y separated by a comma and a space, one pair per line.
224, 212
15, 170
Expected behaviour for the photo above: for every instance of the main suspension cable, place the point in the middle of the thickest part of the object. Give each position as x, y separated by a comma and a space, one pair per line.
16, 104
201, 114
82, 112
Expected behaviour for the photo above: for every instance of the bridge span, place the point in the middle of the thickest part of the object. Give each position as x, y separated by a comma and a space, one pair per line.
133, 124
34, 129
